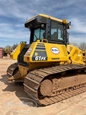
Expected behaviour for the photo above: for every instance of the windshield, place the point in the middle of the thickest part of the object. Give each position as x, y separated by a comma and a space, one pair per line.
39, 33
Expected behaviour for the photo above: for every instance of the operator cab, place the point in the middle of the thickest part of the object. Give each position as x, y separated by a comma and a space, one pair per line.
46, 27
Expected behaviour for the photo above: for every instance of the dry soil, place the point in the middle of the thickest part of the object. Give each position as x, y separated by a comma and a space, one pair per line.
14, 101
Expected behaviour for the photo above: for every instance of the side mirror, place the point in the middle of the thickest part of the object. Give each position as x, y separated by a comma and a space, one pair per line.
69, 25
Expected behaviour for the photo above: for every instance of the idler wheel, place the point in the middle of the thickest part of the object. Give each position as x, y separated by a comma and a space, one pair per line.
46, 87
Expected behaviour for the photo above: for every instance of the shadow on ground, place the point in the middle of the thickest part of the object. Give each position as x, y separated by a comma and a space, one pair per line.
18, 88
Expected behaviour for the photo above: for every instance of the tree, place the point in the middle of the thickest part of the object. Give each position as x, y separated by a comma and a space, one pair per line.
8, 49
14, 46
75, 44
82, 46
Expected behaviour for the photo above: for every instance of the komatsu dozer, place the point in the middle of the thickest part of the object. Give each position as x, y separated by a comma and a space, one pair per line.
84, 56
50, 68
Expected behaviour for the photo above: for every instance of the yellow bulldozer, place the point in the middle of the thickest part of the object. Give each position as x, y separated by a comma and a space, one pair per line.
84, 56
50, 68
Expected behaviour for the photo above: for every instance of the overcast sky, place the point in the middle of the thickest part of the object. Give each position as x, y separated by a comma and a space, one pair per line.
14, 13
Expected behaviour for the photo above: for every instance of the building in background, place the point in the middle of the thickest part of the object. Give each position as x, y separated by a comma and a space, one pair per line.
1, 52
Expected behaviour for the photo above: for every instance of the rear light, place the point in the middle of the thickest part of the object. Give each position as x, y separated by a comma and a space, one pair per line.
28, 58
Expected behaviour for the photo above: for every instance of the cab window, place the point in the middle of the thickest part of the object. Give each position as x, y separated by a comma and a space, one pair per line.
56, 31
38, 34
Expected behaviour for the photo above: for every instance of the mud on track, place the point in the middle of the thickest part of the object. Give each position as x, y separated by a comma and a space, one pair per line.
14, 101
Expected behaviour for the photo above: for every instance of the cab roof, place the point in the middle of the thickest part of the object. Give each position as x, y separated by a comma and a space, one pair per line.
47, 16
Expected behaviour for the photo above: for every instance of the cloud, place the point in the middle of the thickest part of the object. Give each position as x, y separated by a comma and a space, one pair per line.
78, 25
77, 39
12, 31
24, 9
77, 31
14, 13
15, 33
13, 8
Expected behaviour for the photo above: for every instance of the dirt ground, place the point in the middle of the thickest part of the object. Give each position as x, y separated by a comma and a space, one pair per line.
14, 101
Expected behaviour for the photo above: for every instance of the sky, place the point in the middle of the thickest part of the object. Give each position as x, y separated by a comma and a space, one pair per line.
14, 13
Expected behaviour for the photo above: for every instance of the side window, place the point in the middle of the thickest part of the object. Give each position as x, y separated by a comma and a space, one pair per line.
42, 35
38, 34
53, 30
56, 31
60, 34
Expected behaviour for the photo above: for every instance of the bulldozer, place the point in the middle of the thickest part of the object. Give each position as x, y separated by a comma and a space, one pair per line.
84, 56
50, 68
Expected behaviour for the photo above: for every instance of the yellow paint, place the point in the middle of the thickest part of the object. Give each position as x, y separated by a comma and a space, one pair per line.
29, 54
61, 55
16, 52
23, 70
47, 16
36, 53
84, 56
51, 53
75, 54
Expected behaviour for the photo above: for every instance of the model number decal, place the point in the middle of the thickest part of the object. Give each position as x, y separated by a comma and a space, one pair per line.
40, 58
55, 50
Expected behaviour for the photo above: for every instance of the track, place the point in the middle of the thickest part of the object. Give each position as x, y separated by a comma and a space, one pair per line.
11, 69
53, 84
65, 82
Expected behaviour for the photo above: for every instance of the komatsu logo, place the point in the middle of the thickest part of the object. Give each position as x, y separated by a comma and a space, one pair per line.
55, 50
